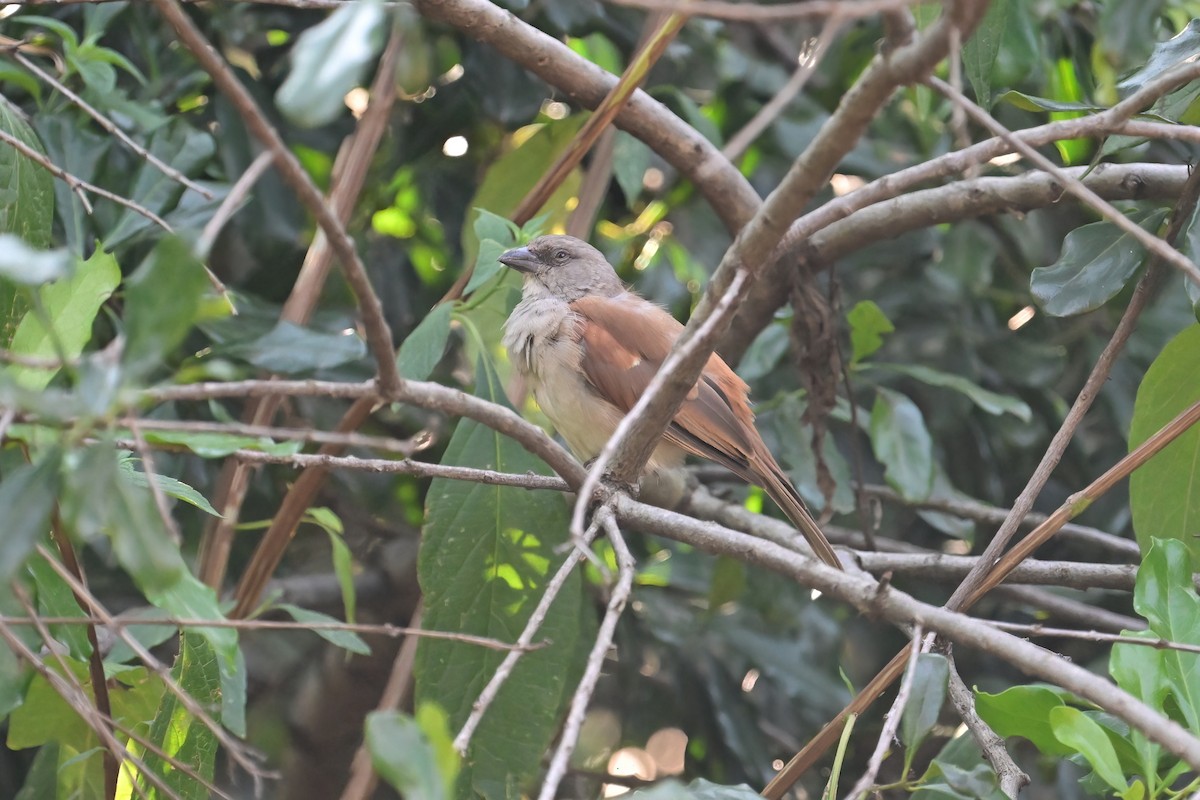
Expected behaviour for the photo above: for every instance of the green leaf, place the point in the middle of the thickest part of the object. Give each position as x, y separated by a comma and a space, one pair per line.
495, 234
925, 701
1029, 102
631, 159
289, 348
80, 152
27, 496
1164, 493
100, 498
868, 324
173, 487
209, 444
764, 353
162, 301
506, 540
1141, 671
980, 51
1023, 711
1166, 55
423, 349
25, 265
26, 187
328, 60
1165, 595
177, 732
347, 640
1097, 261
56, 599
185, 148
988, 401
698, 789
1084, 735
72, 305
902, 444
404, 755
42, 778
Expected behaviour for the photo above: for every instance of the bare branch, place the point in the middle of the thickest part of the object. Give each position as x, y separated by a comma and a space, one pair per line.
777, 12
595, 660
1012, 778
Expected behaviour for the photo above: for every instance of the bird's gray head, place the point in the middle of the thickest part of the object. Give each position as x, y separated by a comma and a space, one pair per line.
565, 267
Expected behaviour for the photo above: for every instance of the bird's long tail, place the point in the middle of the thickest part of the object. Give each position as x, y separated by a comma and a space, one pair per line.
788, 499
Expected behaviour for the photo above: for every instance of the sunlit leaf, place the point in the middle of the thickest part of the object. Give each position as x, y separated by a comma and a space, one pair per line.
486, 554
1083, 735
868, 324
1023, 711
404, 755
328, 60
1164, 493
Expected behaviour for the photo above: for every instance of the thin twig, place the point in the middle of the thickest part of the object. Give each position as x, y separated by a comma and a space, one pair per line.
1036, 630
891, 722
776, 12
391, 631
232, 202
1012, 778
808, 61
237, 750
1145, 238
112, 128
379, 334
536, 618
406, 447
591, 672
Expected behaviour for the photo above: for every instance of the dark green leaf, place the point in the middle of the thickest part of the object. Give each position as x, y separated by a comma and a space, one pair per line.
71, 305
27, 496
1084, 735
1028, 102
328, 60
1127, 32
868, 324
22, 264
173, 487
1164, 494
980, 51
764, 354
1141, 671
404, 756
1165, 595
507, 539
422, 349
26, 187
631, 159
288, 348
56, 599
41, 780
80, 152
183, 147
1166, 55
162, 301
177, 732
902, 444
1023, 711
1097, 261
990, 402
347, 640
218, 445
925, 701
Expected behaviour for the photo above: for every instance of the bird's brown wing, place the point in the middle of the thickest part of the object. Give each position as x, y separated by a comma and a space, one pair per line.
624, 341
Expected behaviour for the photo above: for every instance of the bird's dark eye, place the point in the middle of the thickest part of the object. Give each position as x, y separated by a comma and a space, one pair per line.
560, 255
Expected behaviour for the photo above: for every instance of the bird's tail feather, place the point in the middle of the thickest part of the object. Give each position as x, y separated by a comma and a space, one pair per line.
788, 499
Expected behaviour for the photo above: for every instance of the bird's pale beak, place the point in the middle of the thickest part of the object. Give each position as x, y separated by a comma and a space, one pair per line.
520, 259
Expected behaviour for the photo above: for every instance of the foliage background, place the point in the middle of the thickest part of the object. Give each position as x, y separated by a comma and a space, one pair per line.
932, 349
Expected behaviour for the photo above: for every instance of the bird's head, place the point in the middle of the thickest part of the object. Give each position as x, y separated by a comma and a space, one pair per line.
565, 267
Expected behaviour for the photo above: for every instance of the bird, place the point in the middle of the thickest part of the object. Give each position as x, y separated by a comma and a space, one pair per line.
588, 346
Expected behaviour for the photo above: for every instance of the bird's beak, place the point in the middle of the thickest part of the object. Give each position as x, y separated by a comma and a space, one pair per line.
520, 259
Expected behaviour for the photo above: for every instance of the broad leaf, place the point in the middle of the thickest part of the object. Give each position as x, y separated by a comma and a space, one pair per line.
347, 640
162, 300
988, 401
72, 305
902, 444
328, 60
1084, 735
1166, 55
925, 701
423, 349
631, 159
1023, 711
177, 732
868, 324
407, 754
27, 496
26, 187
486, 554
1097, 261
289, 348
1164, 493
